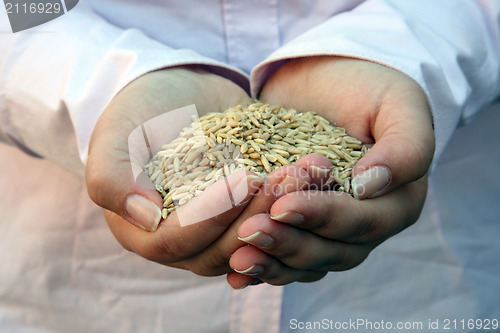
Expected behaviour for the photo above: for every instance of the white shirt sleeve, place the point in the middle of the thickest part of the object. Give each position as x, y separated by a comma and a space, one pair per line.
449, 47
56, 79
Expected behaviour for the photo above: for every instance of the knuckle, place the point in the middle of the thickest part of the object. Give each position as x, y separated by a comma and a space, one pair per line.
94, 181
210, 263
346, 259
221, 221
279, 282
215, 259
373, 226
365, 228
281, 277
168, 247
275, 279
420, 154
200, 270
286, 251
313, 276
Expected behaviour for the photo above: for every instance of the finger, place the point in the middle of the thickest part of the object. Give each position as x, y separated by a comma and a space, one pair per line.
298, 248
404, 143
252, 262
281, 181
336, 215
240, 281
319, 169
174, 240
284, 180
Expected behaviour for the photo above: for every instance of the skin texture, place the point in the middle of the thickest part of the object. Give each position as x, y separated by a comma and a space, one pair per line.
300, 232
109, 175
205, 247
332, 231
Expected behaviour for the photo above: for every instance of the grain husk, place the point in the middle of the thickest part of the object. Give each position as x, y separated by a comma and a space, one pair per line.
259, 138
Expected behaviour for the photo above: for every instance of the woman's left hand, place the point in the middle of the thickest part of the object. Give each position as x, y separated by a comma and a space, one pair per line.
321, 231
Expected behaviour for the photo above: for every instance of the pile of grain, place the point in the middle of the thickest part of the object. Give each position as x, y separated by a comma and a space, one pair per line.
259, 138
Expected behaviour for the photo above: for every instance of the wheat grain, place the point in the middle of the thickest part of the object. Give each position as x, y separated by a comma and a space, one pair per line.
259, 138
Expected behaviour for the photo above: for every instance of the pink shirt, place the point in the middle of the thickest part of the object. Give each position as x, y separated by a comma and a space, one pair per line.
62, 270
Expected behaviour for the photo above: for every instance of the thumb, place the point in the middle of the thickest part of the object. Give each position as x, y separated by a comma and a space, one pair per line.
403, 149
110, 180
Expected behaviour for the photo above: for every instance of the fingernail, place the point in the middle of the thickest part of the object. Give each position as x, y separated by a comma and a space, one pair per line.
318, 172
370, 182
252, 270
246, 185
289, 217
259, 239
145, 214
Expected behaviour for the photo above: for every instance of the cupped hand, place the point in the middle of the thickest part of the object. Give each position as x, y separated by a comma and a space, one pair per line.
323, 231
205, 248
376, 104
133, 211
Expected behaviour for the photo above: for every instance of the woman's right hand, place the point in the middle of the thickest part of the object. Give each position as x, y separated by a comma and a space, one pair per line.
133, 212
